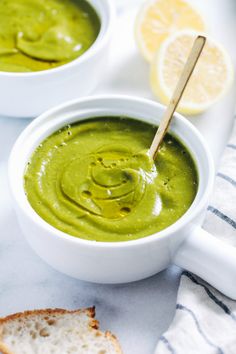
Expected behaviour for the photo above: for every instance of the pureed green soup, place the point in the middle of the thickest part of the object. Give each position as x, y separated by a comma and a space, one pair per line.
95, 180
42, 34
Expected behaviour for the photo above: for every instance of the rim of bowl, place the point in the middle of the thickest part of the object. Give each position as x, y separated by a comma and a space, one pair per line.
165, 233
103, 37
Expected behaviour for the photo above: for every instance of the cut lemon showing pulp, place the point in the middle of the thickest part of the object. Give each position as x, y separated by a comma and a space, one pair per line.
211, 78
157, 19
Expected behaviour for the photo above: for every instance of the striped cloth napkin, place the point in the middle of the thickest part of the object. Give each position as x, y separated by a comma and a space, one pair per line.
205, 320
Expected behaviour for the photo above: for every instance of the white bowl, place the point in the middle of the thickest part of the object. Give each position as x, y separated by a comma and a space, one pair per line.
29, 94
183, 243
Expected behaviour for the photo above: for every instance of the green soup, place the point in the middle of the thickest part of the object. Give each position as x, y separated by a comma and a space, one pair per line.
95, 180
42, 34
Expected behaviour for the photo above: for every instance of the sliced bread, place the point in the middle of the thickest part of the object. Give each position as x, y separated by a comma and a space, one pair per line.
55, 331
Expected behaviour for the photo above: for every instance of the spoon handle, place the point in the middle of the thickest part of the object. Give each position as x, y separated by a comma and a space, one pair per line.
178, 92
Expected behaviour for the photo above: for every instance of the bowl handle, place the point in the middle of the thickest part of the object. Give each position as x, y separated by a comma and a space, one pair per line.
209, 258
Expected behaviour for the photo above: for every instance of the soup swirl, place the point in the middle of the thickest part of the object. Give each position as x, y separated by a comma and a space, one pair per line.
95, 180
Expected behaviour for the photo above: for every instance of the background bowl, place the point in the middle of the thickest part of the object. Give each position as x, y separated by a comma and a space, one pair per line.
29, 94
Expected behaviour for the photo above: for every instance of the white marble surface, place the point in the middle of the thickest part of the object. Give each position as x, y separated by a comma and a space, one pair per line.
139, 312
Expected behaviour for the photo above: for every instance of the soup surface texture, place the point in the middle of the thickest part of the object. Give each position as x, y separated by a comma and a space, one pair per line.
95, 180
42, 34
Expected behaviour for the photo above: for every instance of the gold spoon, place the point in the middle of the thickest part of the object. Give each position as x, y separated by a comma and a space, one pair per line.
178, 93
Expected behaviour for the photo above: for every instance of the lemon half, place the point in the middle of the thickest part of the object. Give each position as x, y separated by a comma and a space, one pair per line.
157, 19
212, 76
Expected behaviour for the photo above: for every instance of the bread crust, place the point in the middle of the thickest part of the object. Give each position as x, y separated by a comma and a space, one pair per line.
115, 342
4, 349
90, 311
